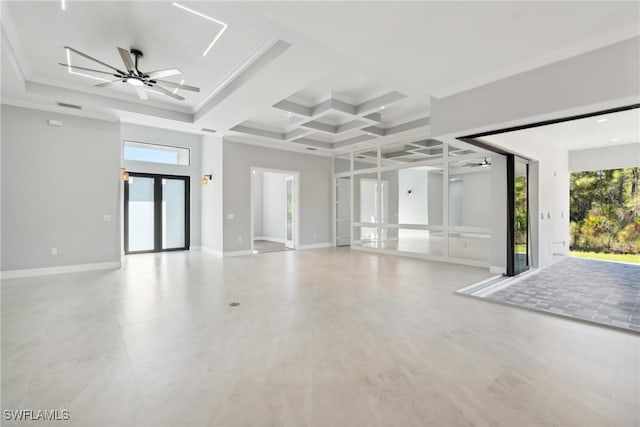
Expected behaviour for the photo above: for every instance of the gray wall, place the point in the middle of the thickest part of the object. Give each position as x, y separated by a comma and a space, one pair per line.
615, 157
602, 75
177, 139
315, 192
211, 194
57, 185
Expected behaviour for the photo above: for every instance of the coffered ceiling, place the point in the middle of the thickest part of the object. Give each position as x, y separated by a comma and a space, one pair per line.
293, 75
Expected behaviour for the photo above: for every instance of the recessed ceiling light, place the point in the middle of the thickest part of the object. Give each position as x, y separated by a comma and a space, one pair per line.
601, 120
63, 4
615, 139
202, 15
382, 108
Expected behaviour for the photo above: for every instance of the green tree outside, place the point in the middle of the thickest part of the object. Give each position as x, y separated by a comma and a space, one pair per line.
604, 212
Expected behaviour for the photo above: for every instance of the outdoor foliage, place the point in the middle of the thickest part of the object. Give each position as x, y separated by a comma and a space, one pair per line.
604, 211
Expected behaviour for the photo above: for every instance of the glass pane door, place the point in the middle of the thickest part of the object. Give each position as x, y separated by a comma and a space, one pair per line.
140, 214
156, 213
289, 239
173, 213
521, 217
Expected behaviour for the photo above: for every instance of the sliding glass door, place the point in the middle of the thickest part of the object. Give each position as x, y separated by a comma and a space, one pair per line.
156, 213
518, 205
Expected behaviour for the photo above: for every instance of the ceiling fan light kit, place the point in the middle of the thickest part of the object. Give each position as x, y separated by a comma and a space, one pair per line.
139, 80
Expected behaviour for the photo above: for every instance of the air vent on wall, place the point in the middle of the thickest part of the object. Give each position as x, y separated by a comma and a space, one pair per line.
64, 104
208, 130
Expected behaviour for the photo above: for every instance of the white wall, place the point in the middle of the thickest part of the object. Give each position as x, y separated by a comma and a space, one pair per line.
613, 157
600, 76
274, 209
315, 192
211, 194
413, 209
138, 133
498, 221
57, 185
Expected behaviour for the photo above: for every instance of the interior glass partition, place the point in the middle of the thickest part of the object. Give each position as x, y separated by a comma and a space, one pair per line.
470, 209
423, 198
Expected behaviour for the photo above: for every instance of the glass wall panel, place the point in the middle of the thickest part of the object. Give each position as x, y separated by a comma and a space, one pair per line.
365, 159
343, 211
424, 242
470, 193
173, 213
475, 246
365, 236
365, 198
412, 196
406, 153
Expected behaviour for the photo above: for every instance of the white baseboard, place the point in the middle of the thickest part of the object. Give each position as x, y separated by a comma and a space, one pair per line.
269, 239
316, 246
494, 269
31, 272
236, 253
207, 250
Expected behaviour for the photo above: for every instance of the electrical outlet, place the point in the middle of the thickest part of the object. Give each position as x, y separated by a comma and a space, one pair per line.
54, 251
106, 218
240, 239
315, 235
230, 216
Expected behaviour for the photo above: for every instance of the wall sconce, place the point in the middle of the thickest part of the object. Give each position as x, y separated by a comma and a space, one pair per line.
206, 178
124, 175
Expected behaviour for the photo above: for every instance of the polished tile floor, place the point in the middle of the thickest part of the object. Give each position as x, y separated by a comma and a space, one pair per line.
596, 291
321, 337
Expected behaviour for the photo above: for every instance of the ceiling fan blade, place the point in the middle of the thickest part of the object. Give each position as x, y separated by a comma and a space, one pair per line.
179, 86
75, 67
168, 93
126, 59
95, 60
141, 92
164, 73
105, 84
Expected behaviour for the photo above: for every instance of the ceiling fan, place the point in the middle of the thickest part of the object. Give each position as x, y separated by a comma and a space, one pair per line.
139, 80
481, 164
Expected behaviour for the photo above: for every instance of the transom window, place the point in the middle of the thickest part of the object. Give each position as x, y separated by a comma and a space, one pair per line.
155, 153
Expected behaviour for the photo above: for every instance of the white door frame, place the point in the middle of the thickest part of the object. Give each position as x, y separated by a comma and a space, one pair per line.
296, 200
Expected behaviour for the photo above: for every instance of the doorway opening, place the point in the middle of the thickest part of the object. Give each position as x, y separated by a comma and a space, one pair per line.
156, 213
274, 210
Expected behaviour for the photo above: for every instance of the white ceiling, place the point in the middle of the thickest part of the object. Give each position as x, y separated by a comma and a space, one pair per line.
611, 129
306, 52
169, 37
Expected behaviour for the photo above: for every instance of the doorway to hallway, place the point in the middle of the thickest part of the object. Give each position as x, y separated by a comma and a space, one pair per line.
274, 210
156, 213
